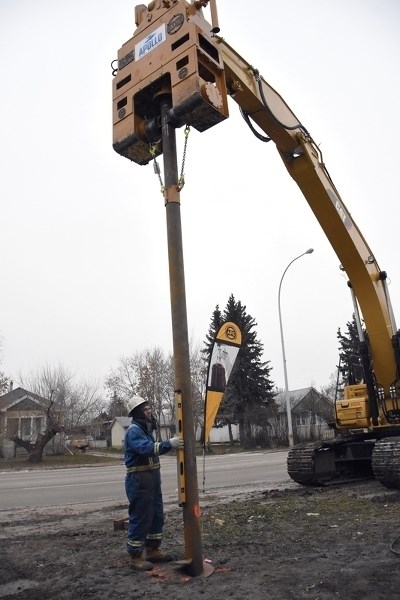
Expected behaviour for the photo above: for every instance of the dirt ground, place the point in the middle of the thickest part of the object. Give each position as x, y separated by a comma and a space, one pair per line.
283, 543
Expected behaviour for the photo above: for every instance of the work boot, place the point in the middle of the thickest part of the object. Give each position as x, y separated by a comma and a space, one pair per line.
155, 555
137, 562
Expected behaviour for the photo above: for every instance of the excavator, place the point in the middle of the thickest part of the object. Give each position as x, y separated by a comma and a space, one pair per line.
176, 52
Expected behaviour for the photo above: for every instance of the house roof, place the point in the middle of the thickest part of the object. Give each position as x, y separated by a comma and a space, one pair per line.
10, 398
295, 396
123, 421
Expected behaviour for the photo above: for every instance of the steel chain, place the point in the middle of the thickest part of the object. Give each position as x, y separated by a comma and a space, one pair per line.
156, 166
181, 180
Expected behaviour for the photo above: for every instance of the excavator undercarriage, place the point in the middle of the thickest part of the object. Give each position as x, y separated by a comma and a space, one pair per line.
347, 458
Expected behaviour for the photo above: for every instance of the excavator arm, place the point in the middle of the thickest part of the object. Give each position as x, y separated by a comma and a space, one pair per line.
303, 160
371, 409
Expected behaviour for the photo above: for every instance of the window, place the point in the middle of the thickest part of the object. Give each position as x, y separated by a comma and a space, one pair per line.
36, 425
301, 419
25, 428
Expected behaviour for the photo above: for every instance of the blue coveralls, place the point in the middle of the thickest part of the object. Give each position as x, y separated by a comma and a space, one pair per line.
143, 488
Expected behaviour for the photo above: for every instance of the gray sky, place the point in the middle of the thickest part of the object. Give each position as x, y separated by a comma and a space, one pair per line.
83, 239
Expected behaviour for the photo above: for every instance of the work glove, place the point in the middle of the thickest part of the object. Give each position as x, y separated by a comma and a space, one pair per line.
177, 442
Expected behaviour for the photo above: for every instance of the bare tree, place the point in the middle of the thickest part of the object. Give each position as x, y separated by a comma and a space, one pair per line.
80, 401
198, 369
150, 373
4, 381
329, 390
146, 373
123, 381
152, 379
36, 445
169, 396
68, 405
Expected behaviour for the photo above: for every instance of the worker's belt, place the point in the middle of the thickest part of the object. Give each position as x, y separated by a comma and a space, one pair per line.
143, 468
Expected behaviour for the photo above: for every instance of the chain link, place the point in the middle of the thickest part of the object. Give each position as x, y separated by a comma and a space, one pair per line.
156, 166
181, 180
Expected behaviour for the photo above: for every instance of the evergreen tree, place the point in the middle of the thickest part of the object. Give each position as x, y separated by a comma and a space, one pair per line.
249, 396
216, 322
350, 366
117, 407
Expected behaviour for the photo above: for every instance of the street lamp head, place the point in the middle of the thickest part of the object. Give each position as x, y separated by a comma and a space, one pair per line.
309, 251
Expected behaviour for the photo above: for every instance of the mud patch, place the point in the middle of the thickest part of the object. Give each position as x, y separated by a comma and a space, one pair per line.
16, 587
295, 543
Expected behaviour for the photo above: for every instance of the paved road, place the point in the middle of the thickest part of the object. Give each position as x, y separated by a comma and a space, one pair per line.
57, 487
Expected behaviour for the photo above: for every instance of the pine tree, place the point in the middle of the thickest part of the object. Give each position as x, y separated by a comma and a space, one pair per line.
117, 407
216, 322
249, 396
350, 366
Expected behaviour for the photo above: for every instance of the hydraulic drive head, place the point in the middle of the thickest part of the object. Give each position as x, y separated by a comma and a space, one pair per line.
172, 52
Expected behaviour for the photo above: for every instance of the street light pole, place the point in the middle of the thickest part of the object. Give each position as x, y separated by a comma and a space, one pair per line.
288, 409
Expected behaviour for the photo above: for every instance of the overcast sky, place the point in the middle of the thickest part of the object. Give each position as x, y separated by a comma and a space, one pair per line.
83, 244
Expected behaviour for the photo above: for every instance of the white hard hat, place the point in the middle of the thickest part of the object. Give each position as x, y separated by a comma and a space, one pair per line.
135, 401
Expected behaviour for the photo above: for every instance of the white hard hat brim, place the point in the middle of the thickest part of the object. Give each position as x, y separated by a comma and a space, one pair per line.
134, 402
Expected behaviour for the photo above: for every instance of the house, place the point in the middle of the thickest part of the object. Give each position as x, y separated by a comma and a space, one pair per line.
311, 412
23, 413
118, 429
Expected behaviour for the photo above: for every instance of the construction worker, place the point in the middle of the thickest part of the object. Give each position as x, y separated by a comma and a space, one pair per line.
143, 486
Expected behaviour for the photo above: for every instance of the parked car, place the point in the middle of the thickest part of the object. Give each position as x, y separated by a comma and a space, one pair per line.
77, 442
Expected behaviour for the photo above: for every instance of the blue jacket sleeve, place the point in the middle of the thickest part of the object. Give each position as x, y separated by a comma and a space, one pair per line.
140, 442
